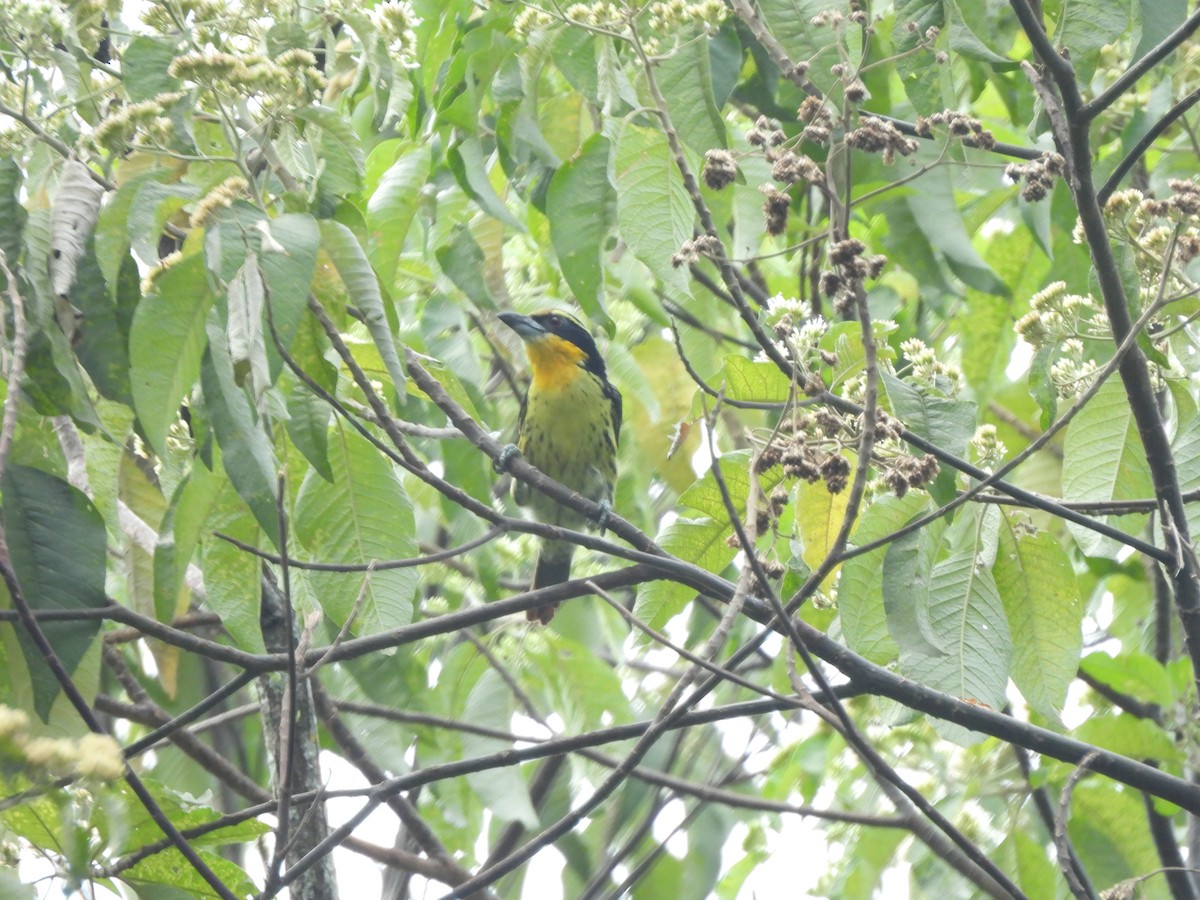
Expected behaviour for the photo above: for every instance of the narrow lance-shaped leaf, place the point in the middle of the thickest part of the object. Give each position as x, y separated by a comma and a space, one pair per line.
247, 452
348, 257
166, 342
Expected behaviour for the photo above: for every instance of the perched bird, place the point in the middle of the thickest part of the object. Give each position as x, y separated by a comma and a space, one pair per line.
569, 428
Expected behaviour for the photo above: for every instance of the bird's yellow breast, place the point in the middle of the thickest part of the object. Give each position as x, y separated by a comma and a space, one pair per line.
554, 363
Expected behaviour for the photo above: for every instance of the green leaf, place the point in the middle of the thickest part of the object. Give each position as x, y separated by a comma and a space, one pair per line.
578, 229
1155, 19
348, 258
1103, 460
922, 79
939, 216
144, 64
503, 790
463, 262
685, 79
365, 515
967, 621
907, 570
1045, 612
790, 22
860, 587
698, 541
56, 540
1085, 28
338, 147
1134, 674
166, 342
945, 421
12, 213
467, 162
103, 339
758, 382
287, 260
246, 450
152, 207
392, 206
1132, 737
179, 536
654, 211
231, 575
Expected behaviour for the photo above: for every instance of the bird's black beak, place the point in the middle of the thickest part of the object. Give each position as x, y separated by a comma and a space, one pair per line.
526, 326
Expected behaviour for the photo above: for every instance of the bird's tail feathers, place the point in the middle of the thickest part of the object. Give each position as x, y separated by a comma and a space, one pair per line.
553, 567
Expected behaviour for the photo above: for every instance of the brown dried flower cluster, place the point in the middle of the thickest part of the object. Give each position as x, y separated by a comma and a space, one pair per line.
691, 251
875, 135
1038, 175
775, 208
818, 123
850, 268
719, 169
970, 131
765, 133
792, 167
810, 448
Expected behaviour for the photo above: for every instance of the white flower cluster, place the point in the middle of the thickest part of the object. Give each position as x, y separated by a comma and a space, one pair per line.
1055, 315
397, 22
988, 447
1071, 373
94, 756
929, 371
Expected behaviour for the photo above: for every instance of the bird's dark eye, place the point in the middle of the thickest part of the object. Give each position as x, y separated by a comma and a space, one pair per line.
554, 321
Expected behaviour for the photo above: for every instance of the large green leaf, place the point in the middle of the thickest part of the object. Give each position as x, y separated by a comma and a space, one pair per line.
685, 78
698, 541
340, 148
392, 206
348, 258
56, 540
166, 342
860, 587
1086, 28
12, 213
654, 212
144, 64
578, 230
1103, 460
1045, 612
503, 790
967, 621
103, 338
939, 216
246, 450
364, 515
287, 261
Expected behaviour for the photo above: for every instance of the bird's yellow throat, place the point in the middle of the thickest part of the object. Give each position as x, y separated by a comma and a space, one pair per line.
554, 361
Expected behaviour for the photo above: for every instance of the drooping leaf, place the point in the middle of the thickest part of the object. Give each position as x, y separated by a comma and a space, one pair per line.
654, 212
347, 255
860, 587
166, 342
246, 450
1103, 460
364, 516
392, 206
1045, 612
581, 209
56, 540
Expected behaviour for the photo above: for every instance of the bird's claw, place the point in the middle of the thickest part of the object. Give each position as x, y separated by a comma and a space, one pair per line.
603, 515
505, 457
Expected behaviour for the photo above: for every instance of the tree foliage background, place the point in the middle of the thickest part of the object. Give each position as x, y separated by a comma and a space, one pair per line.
900, 584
